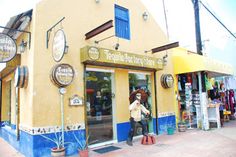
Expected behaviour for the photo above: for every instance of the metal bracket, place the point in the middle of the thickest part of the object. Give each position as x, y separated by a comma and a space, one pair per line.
49, 31
29, 33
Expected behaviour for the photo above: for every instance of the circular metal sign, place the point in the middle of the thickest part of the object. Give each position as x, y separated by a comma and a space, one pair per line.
93, 53
62, 75
8, 48
58, 45
167, 80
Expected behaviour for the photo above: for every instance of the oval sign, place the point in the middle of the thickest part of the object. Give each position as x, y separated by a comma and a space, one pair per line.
58, 45
93, 53
62, 75
8, 48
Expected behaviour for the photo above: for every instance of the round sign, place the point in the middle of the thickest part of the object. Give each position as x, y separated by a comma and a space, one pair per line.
62, 75
21, 77
8, 48
167, 80
58, 45
93, 53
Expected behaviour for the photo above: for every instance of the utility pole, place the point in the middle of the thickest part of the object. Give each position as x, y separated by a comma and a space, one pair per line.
197, 27
201, 75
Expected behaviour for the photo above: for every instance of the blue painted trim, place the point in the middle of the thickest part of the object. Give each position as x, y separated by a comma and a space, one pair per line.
166, 122
154, 125
122, 131
37, 145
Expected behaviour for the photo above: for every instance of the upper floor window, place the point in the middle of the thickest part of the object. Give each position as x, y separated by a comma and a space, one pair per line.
122, 25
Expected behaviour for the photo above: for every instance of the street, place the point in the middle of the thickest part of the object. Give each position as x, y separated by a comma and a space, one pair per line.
192, 143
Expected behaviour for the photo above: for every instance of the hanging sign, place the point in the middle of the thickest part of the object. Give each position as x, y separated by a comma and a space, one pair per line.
167, 80
21, 77
58, 45
8, 48
62, 75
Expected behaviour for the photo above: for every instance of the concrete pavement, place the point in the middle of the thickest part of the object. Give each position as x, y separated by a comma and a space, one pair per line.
192, 143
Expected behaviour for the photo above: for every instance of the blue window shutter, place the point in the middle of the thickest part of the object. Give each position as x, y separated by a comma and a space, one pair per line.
122, 25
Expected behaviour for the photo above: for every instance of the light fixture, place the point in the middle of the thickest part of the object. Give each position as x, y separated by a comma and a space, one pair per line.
97, 1
145, 16
66, 49
165, 59
22, 46
117, 45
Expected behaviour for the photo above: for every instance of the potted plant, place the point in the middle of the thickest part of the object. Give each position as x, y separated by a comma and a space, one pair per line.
59, 149
182, 126
82, 143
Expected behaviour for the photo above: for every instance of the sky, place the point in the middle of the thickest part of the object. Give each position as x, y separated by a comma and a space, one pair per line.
216, 40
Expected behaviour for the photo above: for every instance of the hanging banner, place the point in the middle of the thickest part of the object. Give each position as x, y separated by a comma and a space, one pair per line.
62, 75
8, 48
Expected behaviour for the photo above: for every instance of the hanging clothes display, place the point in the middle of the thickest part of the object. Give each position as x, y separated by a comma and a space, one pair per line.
231, 101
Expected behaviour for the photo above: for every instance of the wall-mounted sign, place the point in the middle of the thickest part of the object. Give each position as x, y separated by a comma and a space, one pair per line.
93, 53
62, 75
58, 45
118, 58
167, 80
21, 77
76, 100
8, 48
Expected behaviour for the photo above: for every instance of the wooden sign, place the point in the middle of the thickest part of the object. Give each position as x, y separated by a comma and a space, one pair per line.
62, 75
21, 77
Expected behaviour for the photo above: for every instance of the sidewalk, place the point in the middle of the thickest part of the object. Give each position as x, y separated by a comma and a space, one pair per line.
192, 143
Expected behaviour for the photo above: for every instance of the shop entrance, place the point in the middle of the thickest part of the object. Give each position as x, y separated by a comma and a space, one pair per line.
100, 98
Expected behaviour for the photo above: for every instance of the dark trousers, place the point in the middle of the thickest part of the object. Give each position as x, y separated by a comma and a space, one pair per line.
132, 128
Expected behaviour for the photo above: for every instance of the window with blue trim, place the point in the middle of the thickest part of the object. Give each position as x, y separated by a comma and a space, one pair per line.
122, 25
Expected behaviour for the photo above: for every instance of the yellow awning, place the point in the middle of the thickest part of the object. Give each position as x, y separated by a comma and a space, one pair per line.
186, 62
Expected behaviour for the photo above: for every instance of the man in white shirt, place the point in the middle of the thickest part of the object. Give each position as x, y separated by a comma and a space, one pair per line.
136, 117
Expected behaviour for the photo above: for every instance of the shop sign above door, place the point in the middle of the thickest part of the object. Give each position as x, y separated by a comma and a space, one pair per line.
58, 45
119, 59
8, 48
62, 75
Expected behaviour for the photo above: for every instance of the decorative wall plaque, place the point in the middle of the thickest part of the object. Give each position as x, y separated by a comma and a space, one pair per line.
167, 80
62, 75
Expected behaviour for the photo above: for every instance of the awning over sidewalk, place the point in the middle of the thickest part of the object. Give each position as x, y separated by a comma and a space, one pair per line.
186, 62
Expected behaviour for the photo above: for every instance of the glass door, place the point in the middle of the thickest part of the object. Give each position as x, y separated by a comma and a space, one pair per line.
99, 106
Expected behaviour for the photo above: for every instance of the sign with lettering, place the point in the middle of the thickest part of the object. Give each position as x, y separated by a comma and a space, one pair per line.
62, 75
118, 58
58, 45
8, 48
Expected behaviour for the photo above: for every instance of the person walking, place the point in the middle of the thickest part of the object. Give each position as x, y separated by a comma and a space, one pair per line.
136, 109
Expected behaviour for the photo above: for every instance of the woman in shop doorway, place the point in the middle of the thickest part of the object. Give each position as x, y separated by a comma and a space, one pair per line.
135, 112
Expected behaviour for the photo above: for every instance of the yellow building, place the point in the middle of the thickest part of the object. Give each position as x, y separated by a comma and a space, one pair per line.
96, 51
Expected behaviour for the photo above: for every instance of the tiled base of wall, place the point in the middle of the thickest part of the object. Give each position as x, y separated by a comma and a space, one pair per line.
37, 145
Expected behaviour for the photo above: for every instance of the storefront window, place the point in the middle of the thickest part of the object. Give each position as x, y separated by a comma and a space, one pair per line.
141, 82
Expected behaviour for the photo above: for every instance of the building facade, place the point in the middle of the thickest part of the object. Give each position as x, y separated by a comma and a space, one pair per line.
88, 88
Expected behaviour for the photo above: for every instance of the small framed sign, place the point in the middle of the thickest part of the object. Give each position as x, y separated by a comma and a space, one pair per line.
76, 100
167, 80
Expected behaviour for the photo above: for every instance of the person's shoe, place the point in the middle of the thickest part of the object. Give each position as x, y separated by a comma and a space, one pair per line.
129, 142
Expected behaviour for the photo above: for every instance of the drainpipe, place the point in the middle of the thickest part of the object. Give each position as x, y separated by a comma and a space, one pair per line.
17, 114
155, 94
